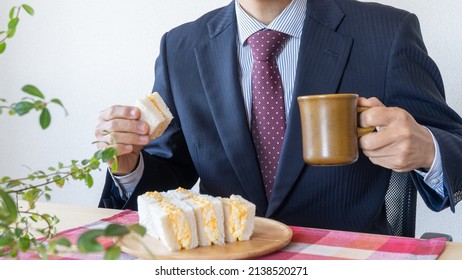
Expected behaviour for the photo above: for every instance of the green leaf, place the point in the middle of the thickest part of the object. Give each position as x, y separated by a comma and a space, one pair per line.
35, 217
109, 154
6, 241
115, 165
8, 208
40, 174
24, 243
116, 230
5, 179
59, 180
57, 101
45, 118
89, 180
87, 242
113, 252
42, 251
28, 9
11, 33
98, 154
23, 107
31, 197
39, 105
139, 229
12, 10
62, 241
2, 47
33, 90
94, 163
13, 23
18, 232
13, 183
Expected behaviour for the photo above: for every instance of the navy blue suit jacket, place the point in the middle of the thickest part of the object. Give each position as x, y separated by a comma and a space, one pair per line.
346, 46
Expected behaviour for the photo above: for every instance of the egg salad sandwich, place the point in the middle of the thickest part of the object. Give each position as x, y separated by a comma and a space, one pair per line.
168, 219
208, 212
155, 113
239, 215
184, 219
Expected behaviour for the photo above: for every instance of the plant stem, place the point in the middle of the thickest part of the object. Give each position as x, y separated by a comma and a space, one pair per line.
8, 33
49, 178
43, 177
49, 227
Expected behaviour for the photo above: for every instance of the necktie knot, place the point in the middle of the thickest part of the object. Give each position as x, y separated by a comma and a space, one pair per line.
266, 44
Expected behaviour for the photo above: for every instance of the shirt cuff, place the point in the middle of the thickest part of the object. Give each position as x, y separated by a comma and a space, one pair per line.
127, 183
434, 177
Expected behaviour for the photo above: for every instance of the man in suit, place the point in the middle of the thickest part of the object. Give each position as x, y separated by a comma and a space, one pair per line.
203, 73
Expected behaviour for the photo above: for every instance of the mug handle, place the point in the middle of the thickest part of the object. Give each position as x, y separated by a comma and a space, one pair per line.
364, 130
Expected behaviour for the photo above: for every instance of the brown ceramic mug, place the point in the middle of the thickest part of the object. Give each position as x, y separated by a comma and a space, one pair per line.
330, 129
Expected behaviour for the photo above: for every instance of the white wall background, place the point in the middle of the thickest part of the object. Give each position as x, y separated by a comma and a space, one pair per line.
95, 53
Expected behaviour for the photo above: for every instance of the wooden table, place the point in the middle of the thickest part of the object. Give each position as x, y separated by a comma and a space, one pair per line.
73, 216
453, 251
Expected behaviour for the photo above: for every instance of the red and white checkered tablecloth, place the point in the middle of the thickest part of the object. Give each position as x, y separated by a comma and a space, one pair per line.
316, 244
306, 244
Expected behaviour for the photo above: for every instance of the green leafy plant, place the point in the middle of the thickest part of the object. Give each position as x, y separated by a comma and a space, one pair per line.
23, 228
13, 24
36, 101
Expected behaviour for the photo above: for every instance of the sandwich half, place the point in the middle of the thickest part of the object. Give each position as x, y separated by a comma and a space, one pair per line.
155, 113
168, 219
208, 212
239, 215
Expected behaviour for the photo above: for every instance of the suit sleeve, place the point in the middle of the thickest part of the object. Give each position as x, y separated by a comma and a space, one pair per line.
415, 84
167, 162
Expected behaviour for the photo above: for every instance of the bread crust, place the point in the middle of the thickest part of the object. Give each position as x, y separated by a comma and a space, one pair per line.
155, 113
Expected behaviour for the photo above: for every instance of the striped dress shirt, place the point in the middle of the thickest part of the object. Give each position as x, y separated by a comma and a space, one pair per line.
290, 22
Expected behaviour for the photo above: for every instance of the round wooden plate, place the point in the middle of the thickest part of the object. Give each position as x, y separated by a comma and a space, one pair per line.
268, 236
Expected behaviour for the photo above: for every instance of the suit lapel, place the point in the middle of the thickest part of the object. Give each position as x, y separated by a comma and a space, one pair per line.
218, 66
322, 58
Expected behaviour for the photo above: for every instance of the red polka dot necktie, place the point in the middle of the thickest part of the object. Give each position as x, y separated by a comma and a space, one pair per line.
268, 121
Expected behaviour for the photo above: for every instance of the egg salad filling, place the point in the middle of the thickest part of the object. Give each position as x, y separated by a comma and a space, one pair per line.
208, 217
154, 102
176, 220
237, 218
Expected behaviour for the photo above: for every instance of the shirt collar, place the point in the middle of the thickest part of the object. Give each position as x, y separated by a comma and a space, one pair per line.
290, 21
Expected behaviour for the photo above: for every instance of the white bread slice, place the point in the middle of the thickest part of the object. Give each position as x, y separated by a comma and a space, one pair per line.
168, 219
239, 216
208, 212
144, 215
155, 113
